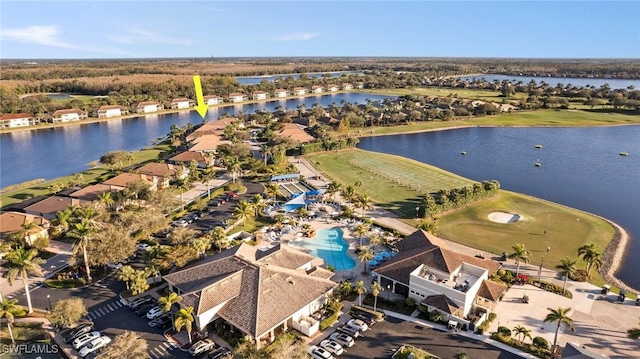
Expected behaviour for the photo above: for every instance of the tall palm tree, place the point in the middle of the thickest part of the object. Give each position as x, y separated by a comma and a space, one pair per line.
520, 254
271, 190
567, 267
374, 240
258, 203
106, 199
590, 256
24, 262
167, 302
63, 219
363, 201
365, 255
127, 274
360, 231
218, 238
333, 188
184, 318
349, 193
561, 316
9, 310
233, 166
243, 211
376, 288
82, 232
523, 332
360, 289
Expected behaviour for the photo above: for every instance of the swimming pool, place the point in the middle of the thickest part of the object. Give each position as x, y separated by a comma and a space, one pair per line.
329, 245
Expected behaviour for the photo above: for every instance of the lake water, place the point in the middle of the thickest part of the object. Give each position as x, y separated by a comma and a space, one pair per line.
554, 81
581, 168
257, 79
55, 152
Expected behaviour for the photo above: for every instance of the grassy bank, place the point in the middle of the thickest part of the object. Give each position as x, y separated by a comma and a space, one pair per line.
482, 95
566, 229
93, 175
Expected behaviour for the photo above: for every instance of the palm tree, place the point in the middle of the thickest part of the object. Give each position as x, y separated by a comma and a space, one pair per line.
360, 289
233, 166
360, 231
333, 188
83, 231
374, 240
568, 268
258, 203
365, 255
106, 199
271, 190
349, 193
9, 310
559, 315
168, 301
243, 211
218, 238
184, 318
24, 262
520, 254
363, 201
63, 219
376, 288
127, 274
519, 331
591, 257
633, 333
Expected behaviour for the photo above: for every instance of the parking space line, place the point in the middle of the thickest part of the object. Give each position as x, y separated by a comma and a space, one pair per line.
110, 309
101, 312
90, 316
118, 303
160, 351
153, 353
95, 314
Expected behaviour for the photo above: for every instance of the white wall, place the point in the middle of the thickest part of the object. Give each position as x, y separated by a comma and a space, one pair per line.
113, 112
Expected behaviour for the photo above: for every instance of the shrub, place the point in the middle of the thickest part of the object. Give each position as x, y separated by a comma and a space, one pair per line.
41, 243
329, 321
410, 302
504, 331
540, 343
579, 275
492, 317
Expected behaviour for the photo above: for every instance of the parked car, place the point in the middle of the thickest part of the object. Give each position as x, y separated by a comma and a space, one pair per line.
180, 223
154, 312
143, 247
216, 202
218, 353
114, 266
140, 301
342, 339
231, 194
191, 217
202, 346
142, 310
319, 353
357, 323
94, 345
159, 322
77, 331
83, 339
365, 317
332, 347
350, 330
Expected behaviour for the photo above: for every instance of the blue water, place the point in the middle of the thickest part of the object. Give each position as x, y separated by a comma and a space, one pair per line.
554, 81
253, 80
329, 245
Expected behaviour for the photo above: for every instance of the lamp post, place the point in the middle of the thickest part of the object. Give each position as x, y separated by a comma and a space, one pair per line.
49, 299
388, 292
540, 269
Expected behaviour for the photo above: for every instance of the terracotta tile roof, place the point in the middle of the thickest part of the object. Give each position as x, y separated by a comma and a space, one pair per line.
147, 103
187, 156
420, 239
292, 131
207, 143
66, 111
442, 303
53, 204
491, 290
15, 116
260, 92
123, 179
13, 221
160, 169
209, 97
281, 90
236, 94
180, 99
91, 193
299, 88
212, 127
110, 107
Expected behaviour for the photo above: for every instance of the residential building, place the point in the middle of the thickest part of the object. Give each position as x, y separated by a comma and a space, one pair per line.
295, 132
68, 115
347, 86
181, 103
164, 172
258, 291
185, 158
333, 88
149, 107
93, 192
260, 95
317, 89
207, 143
14, 222
49, 206
215, 127
439, 278
213, 100
121, 181
237, 97
360, 85
299, 91
280, 93
107, 111
22, 119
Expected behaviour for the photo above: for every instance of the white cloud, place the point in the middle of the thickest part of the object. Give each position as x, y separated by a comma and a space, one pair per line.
141, 36
297, 36
37, 34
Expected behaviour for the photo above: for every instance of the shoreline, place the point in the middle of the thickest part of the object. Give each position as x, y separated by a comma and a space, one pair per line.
613, 256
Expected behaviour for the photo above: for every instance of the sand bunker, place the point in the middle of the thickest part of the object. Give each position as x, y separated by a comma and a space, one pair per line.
503, 217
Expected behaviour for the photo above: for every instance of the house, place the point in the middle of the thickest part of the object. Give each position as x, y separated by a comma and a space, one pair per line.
22, 119
260, 95
213, 100
93, 192
107, 111
237, 97
33, 226
317, 89
207, 143
299, 91
347, 86
360, 85
49, 206
333, 88
149, 107
280, 93
185, 158
295, 132
164, 172
181, 103
215, 127
68, 115
121, 181
441, 279
257, 291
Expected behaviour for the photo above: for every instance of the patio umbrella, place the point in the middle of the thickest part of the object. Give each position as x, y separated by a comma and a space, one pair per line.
372, 263
393, 254
384, 255
378, 258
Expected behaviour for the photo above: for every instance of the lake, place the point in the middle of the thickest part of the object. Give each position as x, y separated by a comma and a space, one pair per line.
253, 80
55, 152
581, 168
554, 81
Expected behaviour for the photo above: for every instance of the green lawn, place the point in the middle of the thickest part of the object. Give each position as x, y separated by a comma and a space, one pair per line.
394, 183
483, 95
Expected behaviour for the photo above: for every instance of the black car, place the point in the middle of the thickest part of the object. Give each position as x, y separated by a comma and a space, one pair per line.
140, 302
143, 309
77, 331
218, 353
364, 316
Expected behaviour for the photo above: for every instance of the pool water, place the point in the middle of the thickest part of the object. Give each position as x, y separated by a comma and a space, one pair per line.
329, 245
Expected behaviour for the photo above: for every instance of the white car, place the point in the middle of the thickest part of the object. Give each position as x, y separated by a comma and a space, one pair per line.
342, 339
332, 347
84, 339
114, 266
180, 223
154, 312
94, 345
202, 346
357, 323
143, 247
319, 353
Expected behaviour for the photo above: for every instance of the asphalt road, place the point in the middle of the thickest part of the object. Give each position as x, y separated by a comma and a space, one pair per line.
385, 337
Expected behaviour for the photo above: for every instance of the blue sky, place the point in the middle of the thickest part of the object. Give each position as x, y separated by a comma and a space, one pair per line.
138, 29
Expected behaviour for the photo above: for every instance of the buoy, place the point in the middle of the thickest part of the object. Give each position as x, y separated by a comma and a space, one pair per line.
538, 164
538, 146
463, 152
624, 153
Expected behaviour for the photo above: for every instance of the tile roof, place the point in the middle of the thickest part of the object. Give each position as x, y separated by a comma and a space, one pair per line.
292, 131
491, 290
187, 156
13, 221
147, 103
91, 193
53, 204
237, 94
66, 111
110, 107
15, 116
442, 303
209, 97
123, 179
159, 169
181, 99
207, 143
